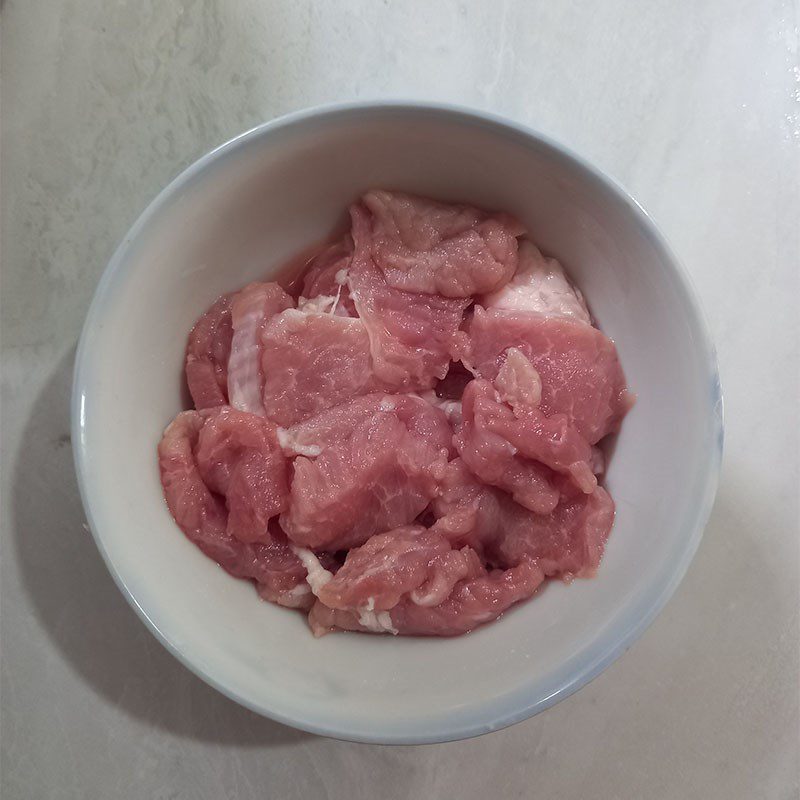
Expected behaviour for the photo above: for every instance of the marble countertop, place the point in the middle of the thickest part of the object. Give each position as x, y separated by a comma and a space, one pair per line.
694, 106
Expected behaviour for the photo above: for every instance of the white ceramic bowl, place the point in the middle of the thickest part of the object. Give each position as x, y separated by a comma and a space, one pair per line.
239, 213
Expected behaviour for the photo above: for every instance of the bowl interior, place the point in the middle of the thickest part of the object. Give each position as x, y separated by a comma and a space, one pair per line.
238, 215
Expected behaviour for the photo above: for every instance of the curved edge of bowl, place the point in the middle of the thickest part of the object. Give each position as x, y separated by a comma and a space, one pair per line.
520, 707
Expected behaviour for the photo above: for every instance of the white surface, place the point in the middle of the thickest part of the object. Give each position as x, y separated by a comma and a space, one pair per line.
694, 107
242, 211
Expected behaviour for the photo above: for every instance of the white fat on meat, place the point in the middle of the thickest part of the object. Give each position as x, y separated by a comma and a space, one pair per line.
317, 575
517, 382
540, 285
452, 410
321, 304
375, 622
291, 447
301, 590
433, 597
325, 303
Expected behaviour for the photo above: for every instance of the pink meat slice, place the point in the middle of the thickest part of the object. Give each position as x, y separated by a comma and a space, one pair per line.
447, 393
207, 353
440, 248
566, 543
467, 511
203, 517
326, 279
312, 362
451, 408
335, 425
406, 561
496, 442
494, 459
579, 369
539, 285
251, 309
473, 602
371, 465
238, 457
370, 456
413, 336
279, 574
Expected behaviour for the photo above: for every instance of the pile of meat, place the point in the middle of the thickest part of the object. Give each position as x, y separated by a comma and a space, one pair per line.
410, 444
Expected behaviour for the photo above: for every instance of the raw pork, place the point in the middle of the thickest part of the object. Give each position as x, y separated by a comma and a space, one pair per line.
566, 543
334, 426
376, 467
238, 457
539, 284
251, 309
412, 336
325, 283
409, 561
499, 445
313, 361
440, 248
202, 515
493, 459
207, 354
578, 366
385, 454
518, 383
472, 603
466, 511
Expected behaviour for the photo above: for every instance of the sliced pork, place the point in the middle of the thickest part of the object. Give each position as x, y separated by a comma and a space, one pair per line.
578, 365
539, 285
407, 562
566, 543
408, 441
472, 603
207, 354
251, 310
313, 361
440, 248
325, 283
203, 516
412, 336
239, 458
494, 440
370, 466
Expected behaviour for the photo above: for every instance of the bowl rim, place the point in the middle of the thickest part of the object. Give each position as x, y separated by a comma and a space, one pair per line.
605, 651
